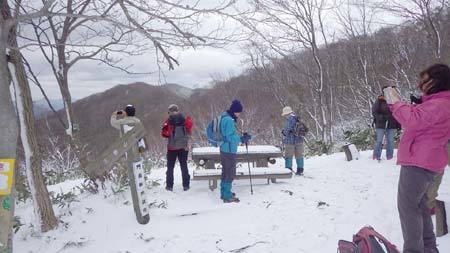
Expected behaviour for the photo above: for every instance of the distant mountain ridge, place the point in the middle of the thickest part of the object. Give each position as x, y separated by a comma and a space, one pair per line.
151, 102
180, 90
93, 112
41, 106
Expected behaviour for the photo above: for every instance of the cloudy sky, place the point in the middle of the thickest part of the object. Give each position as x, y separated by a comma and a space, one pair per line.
197, 68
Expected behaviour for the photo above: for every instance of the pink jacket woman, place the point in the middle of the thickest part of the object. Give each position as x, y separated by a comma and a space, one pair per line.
427, 131
422, 154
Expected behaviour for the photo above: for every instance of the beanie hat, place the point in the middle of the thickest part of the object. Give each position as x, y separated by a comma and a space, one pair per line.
130, 110
173, 108
236, 106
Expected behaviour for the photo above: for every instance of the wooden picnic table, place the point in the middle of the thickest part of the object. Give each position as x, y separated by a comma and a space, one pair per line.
259, 156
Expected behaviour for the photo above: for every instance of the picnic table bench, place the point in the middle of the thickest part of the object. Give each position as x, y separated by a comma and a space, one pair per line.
259, 156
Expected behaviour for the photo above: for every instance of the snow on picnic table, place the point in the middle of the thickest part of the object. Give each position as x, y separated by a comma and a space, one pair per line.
252, 149
307, 214
244, 171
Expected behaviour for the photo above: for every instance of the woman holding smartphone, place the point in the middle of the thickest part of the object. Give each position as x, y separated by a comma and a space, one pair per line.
422, 154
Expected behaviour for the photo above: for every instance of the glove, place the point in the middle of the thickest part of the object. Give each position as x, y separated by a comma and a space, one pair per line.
415, 100
245, 138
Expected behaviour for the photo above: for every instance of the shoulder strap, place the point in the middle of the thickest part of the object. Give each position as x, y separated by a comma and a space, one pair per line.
364, 235
216, 124
391, 247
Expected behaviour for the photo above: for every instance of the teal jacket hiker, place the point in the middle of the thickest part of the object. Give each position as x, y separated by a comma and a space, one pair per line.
229, 133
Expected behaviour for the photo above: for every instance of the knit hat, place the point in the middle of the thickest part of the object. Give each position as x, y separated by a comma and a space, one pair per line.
236, 106
173, 108
286, 111
130, 110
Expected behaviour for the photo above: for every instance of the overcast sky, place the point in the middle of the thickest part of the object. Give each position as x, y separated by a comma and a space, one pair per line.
197, 67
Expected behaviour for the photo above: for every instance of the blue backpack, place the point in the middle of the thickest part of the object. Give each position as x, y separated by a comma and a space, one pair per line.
213, 132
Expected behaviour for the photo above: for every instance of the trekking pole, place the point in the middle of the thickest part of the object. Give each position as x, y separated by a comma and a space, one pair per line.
249, 171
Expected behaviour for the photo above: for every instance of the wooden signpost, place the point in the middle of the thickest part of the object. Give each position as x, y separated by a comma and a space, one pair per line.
130, 145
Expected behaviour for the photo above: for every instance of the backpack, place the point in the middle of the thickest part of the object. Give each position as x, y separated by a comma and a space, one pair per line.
300, 129
213, 132
367, 240
179, 138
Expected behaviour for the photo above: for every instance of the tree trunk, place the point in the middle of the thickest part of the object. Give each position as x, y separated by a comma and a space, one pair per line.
45, 216
8, 133
73, 130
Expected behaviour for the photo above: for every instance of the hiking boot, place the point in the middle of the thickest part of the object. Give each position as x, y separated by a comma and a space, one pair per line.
299, 171
231, 200
169, 188
232, 195
186, 188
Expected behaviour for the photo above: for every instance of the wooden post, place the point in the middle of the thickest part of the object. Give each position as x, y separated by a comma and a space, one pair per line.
102, 164
127, 145
441, 219
348, 154
211, 165
212, 184
135, 171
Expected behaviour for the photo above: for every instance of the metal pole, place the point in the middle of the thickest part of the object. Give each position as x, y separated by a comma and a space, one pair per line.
249, 171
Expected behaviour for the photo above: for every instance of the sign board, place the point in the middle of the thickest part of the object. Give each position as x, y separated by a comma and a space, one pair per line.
6, 175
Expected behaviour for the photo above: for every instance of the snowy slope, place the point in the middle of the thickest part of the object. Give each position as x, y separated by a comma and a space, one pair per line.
283, 217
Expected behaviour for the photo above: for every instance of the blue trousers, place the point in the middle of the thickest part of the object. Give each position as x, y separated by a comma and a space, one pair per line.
389, 133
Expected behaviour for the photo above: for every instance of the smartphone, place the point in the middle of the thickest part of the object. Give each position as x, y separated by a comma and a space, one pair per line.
391, 93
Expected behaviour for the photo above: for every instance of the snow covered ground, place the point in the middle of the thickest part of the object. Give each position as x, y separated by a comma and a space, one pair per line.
303, 214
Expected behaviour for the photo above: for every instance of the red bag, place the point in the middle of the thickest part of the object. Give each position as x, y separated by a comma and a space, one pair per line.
367, 240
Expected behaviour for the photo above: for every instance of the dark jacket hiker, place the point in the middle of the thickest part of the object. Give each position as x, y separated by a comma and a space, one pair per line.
385, 126
177, 129
382, 115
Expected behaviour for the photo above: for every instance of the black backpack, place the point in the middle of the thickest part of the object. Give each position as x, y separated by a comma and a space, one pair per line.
179, 138
300, 129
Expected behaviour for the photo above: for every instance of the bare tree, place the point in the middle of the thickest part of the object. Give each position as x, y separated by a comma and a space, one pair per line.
263, 63
9, 133
289, 26
427, 12
105, 31
356, 19
45, 216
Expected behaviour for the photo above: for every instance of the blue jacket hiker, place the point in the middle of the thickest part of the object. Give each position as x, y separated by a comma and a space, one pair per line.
228, 150
293, 137
229, 133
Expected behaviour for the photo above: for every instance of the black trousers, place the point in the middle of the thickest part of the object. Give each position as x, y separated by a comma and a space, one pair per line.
182, 156
228, 162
